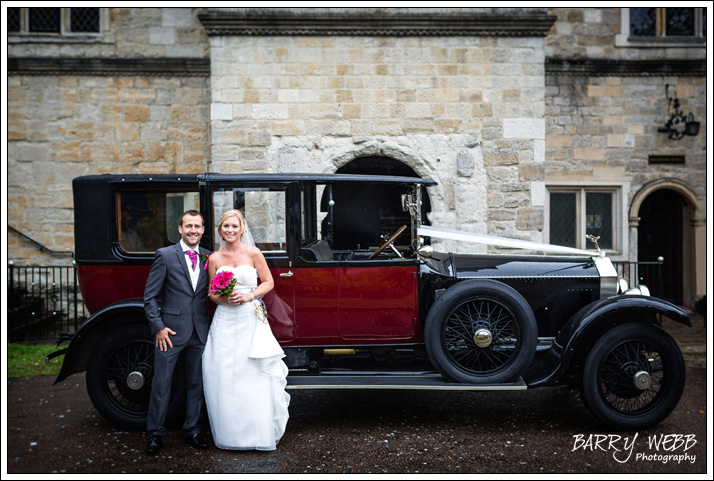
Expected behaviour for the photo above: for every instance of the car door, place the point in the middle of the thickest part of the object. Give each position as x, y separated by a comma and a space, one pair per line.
378, 300
265, 208
341, 295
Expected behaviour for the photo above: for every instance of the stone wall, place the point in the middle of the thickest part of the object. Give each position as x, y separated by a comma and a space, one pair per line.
606, 127
63, 124
599, 33
467, 112
126, 33
63, 127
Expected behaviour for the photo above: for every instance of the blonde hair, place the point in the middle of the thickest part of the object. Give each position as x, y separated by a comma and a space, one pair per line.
227, 215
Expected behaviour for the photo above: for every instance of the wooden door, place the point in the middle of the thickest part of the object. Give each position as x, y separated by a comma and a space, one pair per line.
661, 234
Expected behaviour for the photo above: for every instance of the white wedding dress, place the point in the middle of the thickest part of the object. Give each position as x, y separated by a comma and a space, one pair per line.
244, 376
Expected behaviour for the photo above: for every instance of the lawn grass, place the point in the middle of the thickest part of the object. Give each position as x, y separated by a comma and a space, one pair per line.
24, 360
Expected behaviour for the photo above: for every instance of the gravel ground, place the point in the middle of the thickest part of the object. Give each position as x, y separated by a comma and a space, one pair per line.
55, 429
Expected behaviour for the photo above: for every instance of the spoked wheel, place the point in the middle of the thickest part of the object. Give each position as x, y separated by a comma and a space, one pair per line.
481, 332
633, 377
119, 377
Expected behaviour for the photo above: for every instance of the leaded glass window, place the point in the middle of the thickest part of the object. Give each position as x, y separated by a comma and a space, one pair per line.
643, 22
667, 22
13, 19
84, 19
52, 21
562, 219
680, 21
574, 213
598, 217
45, 20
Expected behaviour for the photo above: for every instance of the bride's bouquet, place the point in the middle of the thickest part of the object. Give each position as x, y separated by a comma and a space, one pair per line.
222, 284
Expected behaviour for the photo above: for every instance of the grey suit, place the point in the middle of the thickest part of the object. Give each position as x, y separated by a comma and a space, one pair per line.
183, 310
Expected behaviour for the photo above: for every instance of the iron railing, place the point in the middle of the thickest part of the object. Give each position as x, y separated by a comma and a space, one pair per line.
647, 273
44, 302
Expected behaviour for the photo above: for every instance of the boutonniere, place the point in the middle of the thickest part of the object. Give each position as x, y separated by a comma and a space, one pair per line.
204, 259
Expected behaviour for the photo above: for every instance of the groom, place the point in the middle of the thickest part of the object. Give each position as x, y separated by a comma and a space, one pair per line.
180, 326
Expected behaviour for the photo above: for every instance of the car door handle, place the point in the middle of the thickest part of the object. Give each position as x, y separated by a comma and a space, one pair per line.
287, 274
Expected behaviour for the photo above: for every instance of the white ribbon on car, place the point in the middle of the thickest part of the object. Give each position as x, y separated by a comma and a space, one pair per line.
457, 235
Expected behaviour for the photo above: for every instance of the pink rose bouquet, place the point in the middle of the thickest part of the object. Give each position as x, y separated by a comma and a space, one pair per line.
222, 284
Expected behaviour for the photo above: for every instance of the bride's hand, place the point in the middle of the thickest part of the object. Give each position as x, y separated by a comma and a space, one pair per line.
236, 298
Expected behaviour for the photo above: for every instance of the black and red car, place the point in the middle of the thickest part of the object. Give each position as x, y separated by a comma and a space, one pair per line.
361, 301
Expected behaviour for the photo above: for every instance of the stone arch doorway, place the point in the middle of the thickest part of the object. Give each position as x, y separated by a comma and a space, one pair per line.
380, 207
665, 213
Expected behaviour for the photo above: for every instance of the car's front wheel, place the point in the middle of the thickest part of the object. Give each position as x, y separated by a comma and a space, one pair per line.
481, 332
633, 377
119, 376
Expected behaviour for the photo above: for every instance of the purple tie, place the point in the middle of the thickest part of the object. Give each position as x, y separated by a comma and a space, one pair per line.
194, 259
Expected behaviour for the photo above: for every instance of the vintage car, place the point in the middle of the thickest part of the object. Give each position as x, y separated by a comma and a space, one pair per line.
362, 300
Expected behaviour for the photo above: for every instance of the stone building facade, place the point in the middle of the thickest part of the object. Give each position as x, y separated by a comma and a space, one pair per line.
502, 107
607, 101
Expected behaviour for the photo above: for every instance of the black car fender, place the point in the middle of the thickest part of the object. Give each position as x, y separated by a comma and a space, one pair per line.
84, 341
574, 339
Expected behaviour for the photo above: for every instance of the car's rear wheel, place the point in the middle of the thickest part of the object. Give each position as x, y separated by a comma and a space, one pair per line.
482, 332
119, 376
633, 376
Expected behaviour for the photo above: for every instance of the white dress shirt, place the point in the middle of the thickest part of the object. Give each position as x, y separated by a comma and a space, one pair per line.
194, 272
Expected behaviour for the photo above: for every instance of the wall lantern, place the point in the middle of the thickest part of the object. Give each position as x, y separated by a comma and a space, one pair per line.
677, 124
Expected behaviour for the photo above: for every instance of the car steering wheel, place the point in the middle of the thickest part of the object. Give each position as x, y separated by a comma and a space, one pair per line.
387, 242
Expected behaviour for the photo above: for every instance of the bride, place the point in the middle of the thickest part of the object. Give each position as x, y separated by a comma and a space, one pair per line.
243, 372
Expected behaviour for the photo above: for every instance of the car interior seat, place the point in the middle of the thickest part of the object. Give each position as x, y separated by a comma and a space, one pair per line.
317, 251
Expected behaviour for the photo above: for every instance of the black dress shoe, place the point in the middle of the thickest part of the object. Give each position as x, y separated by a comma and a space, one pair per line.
196, 442
154, 444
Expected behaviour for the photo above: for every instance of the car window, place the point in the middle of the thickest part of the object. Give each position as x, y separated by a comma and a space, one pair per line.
264, 212
148, 220
354, 217
314, 218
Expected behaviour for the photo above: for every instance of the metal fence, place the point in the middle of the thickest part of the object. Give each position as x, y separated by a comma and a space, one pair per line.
43, 302
647, 273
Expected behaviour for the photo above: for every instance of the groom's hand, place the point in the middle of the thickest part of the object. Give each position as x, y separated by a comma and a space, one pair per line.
163, 339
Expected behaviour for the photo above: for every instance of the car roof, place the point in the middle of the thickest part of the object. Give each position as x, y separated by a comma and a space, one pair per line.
332, 178
278, 177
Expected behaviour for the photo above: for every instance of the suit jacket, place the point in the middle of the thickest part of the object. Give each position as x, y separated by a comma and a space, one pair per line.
182, 309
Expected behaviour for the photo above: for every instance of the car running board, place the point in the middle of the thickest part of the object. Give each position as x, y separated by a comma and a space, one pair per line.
432, 382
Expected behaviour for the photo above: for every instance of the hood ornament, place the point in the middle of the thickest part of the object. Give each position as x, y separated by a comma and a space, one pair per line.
594, 240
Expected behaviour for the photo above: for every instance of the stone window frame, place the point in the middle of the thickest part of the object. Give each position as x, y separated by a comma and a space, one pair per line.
623, 39
620, 214
65, 35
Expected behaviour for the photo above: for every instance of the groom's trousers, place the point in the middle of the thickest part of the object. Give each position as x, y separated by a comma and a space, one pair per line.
165, 362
